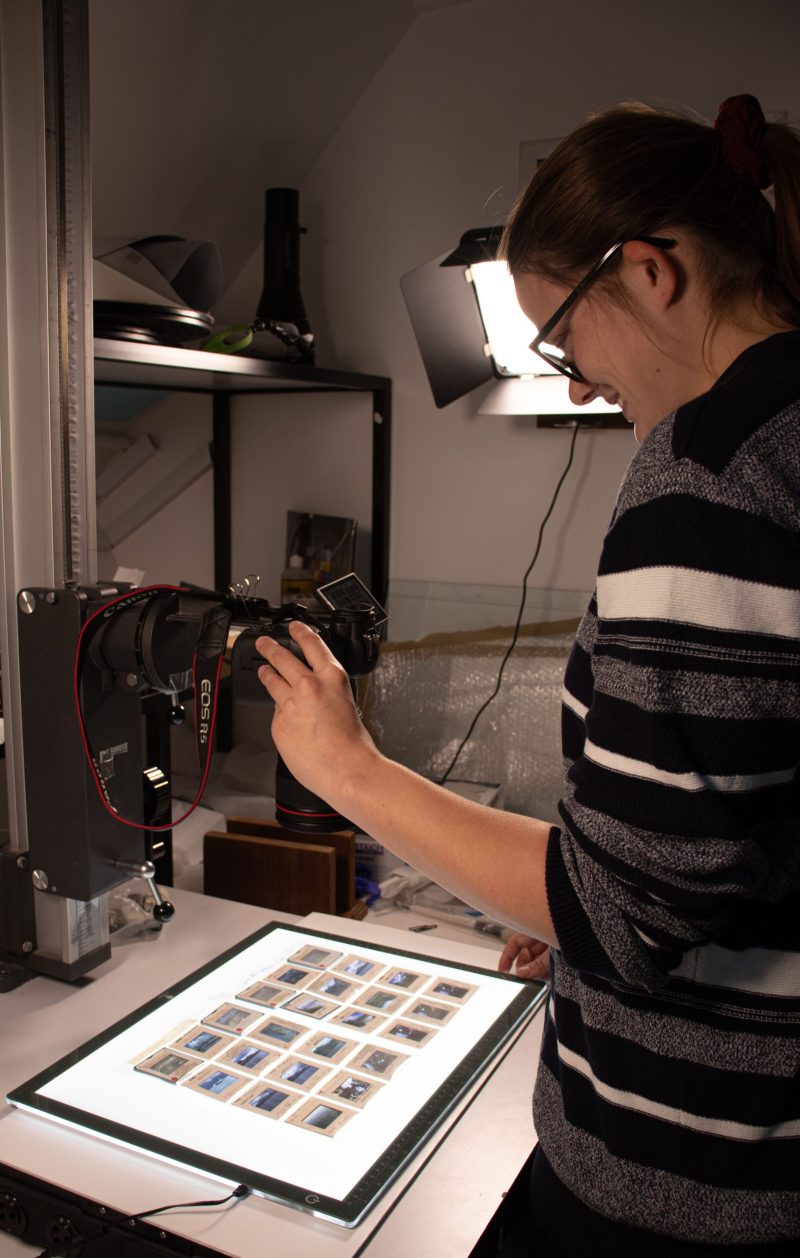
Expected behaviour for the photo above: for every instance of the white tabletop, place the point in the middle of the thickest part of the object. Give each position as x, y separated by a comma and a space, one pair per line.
440, 1204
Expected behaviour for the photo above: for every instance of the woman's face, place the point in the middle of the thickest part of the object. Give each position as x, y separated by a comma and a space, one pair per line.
608, 345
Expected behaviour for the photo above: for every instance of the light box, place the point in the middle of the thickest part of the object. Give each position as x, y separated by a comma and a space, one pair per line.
307, 1066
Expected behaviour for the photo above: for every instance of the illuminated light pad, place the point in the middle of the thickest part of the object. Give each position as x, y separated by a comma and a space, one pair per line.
183, 1078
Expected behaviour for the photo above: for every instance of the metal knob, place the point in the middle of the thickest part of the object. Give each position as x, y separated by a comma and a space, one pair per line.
163, 910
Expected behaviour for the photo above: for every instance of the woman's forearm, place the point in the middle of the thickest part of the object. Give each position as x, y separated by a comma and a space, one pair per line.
493, 860
465, 847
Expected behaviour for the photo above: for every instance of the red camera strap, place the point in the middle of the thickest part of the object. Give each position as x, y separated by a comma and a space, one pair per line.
206, 667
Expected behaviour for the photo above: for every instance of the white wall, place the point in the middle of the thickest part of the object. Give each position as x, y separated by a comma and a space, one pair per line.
297, 453
432, 148
176, 543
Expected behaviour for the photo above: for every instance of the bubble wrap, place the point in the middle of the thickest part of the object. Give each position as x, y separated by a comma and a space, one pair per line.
423, 696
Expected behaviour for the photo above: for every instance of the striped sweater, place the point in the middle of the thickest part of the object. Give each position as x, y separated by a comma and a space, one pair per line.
668, 1095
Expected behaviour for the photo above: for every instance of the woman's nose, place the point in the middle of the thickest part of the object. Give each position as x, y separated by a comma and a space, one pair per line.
581, 392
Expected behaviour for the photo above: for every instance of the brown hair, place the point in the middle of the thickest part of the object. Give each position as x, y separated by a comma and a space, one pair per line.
633, 171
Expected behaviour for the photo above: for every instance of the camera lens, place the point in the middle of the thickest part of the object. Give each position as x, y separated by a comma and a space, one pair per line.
298, 809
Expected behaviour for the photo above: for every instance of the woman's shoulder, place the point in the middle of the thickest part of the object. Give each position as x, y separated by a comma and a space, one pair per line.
738, 446
759, 387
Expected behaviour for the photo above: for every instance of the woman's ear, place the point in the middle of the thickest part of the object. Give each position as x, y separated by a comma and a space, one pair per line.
653, 275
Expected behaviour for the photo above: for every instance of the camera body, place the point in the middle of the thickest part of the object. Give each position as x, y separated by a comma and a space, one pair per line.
353, 637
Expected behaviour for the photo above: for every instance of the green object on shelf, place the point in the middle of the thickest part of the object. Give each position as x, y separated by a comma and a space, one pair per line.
231, 340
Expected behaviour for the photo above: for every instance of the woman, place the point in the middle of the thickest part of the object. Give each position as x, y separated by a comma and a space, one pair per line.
667, 1100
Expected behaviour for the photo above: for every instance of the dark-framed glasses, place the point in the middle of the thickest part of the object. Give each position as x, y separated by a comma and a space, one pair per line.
551, 353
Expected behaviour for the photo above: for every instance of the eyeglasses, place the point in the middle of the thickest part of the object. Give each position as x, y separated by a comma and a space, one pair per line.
555, 356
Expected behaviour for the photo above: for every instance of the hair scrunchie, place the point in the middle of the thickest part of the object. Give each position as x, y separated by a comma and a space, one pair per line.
742, 125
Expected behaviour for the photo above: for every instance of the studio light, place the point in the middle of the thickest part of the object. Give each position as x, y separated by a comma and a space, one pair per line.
470, 329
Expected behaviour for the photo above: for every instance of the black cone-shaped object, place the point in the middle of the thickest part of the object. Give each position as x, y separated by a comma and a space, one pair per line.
281, 299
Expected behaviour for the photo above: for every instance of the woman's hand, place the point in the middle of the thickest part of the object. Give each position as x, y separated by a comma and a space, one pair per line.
531, 955
316, 727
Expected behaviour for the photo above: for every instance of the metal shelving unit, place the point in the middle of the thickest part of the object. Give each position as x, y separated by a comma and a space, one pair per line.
224, 377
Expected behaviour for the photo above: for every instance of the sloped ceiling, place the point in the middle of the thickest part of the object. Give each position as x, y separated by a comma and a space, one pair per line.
198, 106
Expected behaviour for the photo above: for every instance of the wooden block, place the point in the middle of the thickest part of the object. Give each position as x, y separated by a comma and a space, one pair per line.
357, 911
343, 843
272, 873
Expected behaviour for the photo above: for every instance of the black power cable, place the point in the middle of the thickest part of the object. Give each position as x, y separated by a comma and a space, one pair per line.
515, 635
77, 1244
240, 1191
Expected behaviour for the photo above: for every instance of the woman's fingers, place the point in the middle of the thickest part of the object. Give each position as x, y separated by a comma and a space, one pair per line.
281, 660
287, 664
273, 683
528, 956
514, 946
311, 644
537, 966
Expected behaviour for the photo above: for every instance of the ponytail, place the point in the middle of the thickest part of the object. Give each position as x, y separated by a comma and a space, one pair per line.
782, 156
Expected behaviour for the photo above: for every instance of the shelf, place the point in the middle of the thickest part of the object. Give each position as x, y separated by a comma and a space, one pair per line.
224, 376
196, 371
